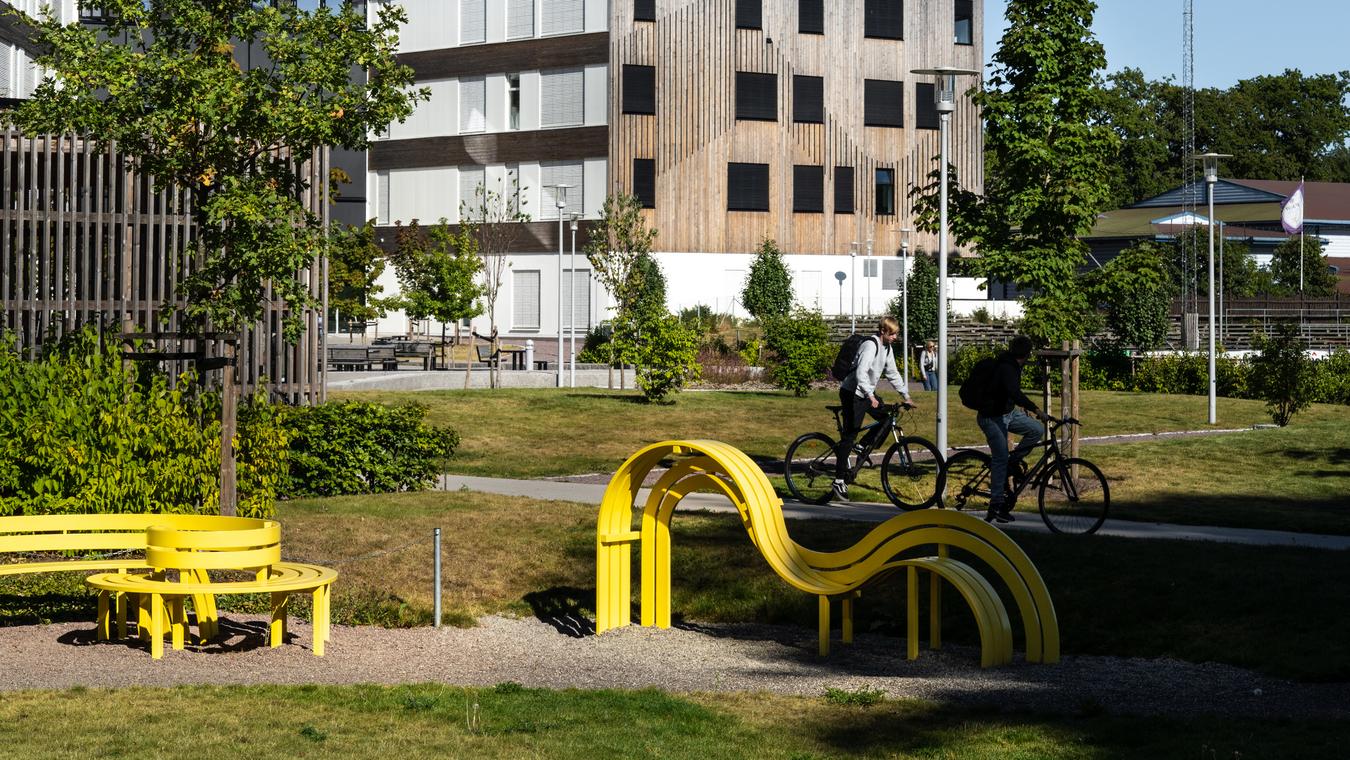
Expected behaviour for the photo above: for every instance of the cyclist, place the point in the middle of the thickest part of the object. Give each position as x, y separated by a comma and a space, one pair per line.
999, 414
858, 394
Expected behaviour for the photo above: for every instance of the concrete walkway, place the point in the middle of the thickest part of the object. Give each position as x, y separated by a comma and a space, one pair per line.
590, 493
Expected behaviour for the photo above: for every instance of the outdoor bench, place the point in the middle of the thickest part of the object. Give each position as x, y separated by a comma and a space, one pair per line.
194, 555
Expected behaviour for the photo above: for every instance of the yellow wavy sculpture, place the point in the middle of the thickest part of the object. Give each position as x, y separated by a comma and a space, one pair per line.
892, 546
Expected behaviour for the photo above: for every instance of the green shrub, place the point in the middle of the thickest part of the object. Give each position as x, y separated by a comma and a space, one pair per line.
1282, 374
83, 431
801, 350
1333, 378
353, 447
1104, 371
960, 361
668, 354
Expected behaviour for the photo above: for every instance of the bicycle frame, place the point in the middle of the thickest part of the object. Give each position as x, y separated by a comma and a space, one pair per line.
891, 421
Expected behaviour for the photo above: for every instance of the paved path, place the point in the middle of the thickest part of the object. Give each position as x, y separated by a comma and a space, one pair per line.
590, 493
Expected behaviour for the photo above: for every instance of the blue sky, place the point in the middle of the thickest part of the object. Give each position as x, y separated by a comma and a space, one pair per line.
1234, 39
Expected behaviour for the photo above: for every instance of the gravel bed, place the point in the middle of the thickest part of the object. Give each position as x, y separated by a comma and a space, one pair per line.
691, 658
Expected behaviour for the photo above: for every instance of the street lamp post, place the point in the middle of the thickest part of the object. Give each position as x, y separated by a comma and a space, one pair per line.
904, 295
1211, 163
853, 291
866, 264
572, 303
944, 93
560, 200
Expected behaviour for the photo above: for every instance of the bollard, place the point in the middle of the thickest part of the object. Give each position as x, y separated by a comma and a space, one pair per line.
437, 582
529, 353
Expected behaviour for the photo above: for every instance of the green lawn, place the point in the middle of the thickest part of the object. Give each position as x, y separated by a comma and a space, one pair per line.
1294, 478
508, 721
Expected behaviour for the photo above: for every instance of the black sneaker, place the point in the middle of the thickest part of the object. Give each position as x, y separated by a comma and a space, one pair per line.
840, 489
999, 513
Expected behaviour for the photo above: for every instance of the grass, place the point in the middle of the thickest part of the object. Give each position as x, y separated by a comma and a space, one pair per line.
1287, 479
437, 720
1279, 610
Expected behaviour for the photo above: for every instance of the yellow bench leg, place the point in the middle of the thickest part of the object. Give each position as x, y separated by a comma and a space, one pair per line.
178, 622
320, 635
824, 625
912, 614
934, 611
277, 634
156, 626
121, 601
846, 618
104, 618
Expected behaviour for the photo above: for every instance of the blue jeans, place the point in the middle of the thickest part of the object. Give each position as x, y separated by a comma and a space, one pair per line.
930, 380
996, 431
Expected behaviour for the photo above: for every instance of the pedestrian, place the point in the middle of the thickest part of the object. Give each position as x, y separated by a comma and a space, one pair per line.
928, 366
999, 412
858, 394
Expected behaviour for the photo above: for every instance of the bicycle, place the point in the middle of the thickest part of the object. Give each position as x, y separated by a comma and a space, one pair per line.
1073, 496
910, 474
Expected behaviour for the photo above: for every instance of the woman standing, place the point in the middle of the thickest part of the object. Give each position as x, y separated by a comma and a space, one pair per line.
928, 366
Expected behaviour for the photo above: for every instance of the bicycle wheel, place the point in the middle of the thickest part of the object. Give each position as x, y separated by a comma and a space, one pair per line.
911, 473
1074, 497
966, 481
809, 468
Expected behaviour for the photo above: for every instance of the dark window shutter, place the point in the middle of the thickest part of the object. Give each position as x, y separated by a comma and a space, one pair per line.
925, 108
811, 16
756, 96
747, 187
749, 14
883, 103
639, 89
843, 189
644, 181
644, 10
808, 99
884, 19
808, 189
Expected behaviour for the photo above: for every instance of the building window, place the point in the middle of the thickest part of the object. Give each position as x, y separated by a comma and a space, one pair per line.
639, 89
525, 299
472, 105
513, 100
382, 197
644, 10
470, 203
562, 98
568, 173
756, 96
884, 19
749, 14
965, 22
747, 187
564, 16
808, 189
885, 192
883, 103
808, 95
520, 19
925, 107
811, 16
644, 181
577, 300
472, 21
843, 189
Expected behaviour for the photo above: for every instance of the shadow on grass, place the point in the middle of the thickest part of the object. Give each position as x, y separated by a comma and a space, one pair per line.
234, 636
565, 608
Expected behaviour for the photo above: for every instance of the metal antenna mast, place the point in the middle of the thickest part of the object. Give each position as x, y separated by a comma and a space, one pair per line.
1189, 194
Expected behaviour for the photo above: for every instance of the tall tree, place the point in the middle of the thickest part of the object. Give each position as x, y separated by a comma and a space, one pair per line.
497, 216
619, 238
438, 273
1318, 279
1050, 156
355, 263
1134, 292
768, 286
921, 290
163, 80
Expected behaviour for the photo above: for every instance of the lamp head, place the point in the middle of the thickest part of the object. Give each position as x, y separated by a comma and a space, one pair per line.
944, 80
574, 217
560, 196
1210, 161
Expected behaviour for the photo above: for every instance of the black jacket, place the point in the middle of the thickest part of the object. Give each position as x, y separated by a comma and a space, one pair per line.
1005, 391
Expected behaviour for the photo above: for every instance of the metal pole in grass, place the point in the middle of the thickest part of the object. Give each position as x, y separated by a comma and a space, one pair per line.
437, 606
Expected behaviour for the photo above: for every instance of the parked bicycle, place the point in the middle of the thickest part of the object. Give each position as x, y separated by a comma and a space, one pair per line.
1071, 492
909, 475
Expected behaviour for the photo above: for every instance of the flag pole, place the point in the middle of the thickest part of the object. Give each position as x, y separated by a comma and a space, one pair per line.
1300, 247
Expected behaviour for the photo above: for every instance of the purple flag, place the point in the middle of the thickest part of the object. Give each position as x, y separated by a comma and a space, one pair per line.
1291, 211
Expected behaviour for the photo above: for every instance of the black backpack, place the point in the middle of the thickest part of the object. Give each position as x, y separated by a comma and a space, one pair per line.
978, 389
847, 360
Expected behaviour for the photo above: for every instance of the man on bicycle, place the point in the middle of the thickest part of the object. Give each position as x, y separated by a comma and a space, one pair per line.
998, 414
858, 394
